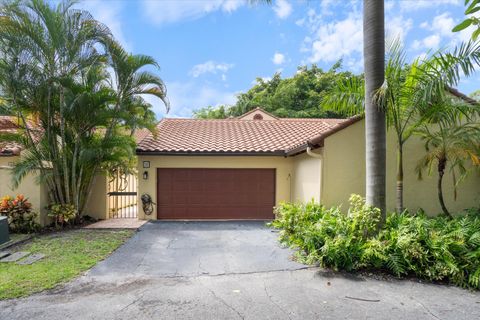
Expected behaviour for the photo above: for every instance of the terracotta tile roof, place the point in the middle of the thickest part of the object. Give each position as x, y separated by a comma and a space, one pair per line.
140, 134
8, 125
233, 135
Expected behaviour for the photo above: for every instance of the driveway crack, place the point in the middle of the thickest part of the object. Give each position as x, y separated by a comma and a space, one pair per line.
275, 303
425, 308
241, 316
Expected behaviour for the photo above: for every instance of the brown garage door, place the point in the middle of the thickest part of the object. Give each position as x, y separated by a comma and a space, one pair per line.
215, 193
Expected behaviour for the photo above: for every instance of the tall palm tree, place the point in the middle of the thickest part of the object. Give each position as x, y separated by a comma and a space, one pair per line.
131, 83
453, 140
407, 92
375, 128
54, 64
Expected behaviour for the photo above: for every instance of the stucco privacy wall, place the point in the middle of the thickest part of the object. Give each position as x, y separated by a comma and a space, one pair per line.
283, 166
96, 206
344, 173
306, 178
36, 194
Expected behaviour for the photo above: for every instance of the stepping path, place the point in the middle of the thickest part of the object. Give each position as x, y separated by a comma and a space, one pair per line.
31, 259
15, 256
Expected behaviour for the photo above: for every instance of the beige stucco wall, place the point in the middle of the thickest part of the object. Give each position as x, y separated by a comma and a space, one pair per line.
344, 173
36, 194
283, 166
306, 178
96, 206
251, 116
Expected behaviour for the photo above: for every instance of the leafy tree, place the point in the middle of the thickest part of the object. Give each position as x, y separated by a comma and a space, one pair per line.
76, 93
297, 97
453, 140
210, 112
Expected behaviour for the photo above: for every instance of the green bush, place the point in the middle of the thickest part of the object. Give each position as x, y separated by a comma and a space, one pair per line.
21, 219
437, 249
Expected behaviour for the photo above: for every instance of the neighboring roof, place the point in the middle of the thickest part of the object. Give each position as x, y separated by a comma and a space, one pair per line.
234, 136
140, 134
8, 125
257, 114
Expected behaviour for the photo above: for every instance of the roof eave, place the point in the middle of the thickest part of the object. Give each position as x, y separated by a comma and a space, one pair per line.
318, 141
210, 153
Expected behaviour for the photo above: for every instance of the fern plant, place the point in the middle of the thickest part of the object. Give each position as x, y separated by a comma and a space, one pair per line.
437, 249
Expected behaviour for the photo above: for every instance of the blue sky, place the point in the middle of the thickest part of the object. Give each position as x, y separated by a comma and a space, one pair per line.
210, 50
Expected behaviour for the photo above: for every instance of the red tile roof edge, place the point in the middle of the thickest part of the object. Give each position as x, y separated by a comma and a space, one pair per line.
318, 140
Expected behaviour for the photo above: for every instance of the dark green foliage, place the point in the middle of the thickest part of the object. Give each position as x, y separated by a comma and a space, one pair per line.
437, 249
297, 97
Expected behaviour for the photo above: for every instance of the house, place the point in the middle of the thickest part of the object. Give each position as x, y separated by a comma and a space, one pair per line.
240, 168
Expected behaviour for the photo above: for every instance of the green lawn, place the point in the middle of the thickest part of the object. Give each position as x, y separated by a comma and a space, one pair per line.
67, 255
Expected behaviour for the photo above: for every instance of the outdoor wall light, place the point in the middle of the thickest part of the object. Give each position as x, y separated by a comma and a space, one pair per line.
145, 175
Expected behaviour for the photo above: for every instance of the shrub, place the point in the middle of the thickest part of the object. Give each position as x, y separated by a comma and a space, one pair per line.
62, 213
436, 249
21, 219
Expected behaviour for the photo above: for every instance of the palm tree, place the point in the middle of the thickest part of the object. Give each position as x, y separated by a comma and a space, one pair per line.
54, 66
375, 142
131, 83
453, 140
406, 94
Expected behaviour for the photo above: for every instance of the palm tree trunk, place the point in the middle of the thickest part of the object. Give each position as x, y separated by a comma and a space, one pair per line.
441, 171
375, 128
399, 195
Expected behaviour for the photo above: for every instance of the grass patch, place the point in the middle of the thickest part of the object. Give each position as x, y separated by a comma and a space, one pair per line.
68, 254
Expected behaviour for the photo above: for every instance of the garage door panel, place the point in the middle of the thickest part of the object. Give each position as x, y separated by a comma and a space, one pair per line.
200, 193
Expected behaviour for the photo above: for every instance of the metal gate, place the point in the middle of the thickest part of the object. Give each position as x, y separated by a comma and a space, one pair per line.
122, 196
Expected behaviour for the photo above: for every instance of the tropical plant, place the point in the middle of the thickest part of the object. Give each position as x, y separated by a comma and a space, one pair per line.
76, 93
437, 249
453, 139
18, 210
473, 6
407, 92
62, 213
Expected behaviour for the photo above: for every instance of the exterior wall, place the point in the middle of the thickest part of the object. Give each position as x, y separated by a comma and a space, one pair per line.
97, 204
344, 174
251, 116
36, 194
283, 166
306, 178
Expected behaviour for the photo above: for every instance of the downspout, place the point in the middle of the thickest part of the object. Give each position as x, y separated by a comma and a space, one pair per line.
317, 156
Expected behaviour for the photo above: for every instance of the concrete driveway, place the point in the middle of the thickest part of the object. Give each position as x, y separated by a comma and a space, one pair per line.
231, 270
167, 249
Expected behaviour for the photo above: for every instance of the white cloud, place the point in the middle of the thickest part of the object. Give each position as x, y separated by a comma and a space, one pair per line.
187, 96
432, 41
210, 67
441, 28
336, 39
169, 11
282, 9
108, 13
398, 27
278, 58
413, 5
